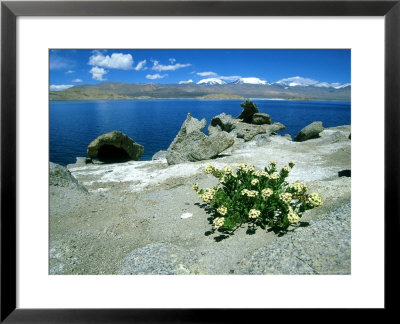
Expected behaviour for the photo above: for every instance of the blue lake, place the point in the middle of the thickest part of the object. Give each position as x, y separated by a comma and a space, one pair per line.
155, 123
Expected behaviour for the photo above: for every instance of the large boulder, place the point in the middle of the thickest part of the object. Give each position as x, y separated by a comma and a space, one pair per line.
191, 144
223, 122
246, 131
249, 109
261, 119
60, 176
115, 147
309, 132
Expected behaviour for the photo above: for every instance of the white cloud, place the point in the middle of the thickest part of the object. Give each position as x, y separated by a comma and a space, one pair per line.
230, 78
155, 76
186, 82
141, 66
115, 61
172, 60
159, 67
60, 87
297, 80
77, 80
211, 74
97, 73
70, 72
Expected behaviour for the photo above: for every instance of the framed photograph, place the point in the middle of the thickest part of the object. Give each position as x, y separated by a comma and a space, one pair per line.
157, 155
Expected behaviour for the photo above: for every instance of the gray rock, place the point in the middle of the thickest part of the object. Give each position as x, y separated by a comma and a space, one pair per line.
275, 127
158, 259
261, 119
309, 132
288, 137
249, 131
83, 161
60, 176
249, 109
191, 144
223, 122
323, 247
160, 155
115, 146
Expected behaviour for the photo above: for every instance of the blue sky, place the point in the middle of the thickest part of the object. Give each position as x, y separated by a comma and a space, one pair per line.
76, 67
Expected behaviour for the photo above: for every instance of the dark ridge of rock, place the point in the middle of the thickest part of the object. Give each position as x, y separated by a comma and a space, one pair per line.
191, 144
249, 109
60, 176
261, 119
309, 132
115, 147
344, 173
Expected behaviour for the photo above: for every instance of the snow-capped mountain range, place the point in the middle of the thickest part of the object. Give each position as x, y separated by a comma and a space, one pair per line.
296, 81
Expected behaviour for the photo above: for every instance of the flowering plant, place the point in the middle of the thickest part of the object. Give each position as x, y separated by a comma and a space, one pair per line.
259, 198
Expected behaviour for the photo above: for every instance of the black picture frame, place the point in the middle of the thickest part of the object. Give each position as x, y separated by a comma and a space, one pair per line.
11, 10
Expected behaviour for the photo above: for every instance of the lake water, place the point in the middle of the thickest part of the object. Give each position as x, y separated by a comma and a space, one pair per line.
155, 123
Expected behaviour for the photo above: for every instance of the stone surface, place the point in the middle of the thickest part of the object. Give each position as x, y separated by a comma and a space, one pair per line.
261, 119
61, 177
113, 147
191, 144
249, 109
309, 132
160, 155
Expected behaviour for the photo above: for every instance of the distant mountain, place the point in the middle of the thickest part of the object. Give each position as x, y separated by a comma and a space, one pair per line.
250, 81
242, 88
211, 81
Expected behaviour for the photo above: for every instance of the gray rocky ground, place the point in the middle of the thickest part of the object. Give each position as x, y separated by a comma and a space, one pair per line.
129, 220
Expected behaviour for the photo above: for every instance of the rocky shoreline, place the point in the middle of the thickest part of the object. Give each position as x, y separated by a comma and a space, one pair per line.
142, 217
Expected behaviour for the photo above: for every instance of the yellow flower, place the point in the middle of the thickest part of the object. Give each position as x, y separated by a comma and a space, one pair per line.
222, 180
266, 192
195, 187
265, 174
254, 182
218, 222
292, 216
209, 169
228, 170
251, 168
208, 196
249, 193
222, 210
257, 173
286, 169
300, 187
291, 164
234, 175
254, 213
315, 199
241, 165
274, 176
272, 163
286, 197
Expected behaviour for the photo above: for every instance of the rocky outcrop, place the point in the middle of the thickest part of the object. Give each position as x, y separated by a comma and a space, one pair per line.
261, 119
309, 132
240, 129
115, 147
191, 144
60, 176
249, 109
